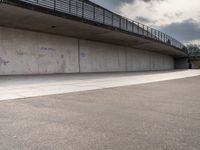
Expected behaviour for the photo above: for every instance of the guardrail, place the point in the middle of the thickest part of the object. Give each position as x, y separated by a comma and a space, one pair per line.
93, 12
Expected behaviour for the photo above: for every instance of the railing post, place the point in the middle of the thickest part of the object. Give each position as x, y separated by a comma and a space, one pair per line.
120, 22
82, 9
167, 39
54, 5
70, 6
126, 25
157, 33
160, 36
143, 29
94, 13
76, 8
132, 26
171, 41
164, 37
112, 20
103, 16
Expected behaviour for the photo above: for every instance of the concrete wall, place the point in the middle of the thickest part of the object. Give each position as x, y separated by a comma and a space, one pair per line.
101, 57
26, 52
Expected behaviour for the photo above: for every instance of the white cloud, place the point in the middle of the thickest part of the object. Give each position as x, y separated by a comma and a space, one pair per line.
197, 41
162, 12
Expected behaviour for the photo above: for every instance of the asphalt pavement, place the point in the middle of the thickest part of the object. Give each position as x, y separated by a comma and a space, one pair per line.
155, 116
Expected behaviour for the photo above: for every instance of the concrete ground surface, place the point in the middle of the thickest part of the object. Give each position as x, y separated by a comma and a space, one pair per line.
154, 116
12, 87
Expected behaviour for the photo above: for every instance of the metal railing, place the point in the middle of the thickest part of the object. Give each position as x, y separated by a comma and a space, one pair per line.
93, 12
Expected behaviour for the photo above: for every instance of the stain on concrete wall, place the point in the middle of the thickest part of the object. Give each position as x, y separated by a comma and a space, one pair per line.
19, 52
101, 57
3, 62
25, 52
47, 49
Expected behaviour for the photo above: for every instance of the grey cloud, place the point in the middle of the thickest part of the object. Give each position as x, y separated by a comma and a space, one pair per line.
142, 19
112, 4
178, 14
185, 31
115, 4
174, 15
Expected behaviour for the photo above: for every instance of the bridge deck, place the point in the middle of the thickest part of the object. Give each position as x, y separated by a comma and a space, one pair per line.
85, 21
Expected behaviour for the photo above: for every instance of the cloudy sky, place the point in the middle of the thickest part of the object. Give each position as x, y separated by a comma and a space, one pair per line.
178, 18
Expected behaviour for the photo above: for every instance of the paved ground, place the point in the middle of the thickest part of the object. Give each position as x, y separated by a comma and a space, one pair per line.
155, 116
12, 87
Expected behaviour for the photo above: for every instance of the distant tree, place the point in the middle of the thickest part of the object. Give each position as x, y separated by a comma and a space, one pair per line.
192, 48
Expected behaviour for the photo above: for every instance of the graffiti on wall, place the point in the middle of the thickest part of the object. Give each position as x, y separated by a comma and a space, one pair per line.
3, 62
19, 52
47, 49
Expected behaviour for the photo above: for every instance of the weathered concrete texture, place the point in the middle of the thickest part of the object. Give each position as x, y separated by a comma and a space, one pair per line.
100, 57
138, 60
26, 52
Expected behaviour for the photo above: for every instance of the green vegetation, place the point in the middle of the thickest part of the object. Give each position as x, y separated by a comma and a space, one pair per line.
194, 54
193, 48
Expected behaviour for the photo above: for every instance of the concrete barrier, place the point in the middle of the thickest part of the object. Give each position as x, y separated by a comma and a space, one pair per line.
27, 52
101, 57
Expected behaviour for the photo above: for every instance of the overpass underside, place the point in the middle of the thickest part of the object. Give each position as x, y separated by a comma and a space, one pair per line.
195, 61
39, 40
